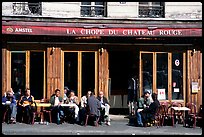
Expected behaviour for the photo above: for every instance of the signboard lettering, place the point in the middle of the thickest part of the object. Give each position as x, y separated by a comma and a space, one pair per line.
65, 31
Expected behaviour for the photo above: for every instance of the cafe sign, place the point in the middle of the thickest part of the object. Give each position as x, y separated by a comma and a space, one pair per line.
67, 31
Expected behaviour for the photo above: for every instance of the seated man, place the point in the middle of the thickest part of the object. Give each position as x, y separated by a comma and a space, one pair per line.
149, 112
83, 106
93, 106
12, 106
143, 102
56, 100
104, 105
72, 99
26, 102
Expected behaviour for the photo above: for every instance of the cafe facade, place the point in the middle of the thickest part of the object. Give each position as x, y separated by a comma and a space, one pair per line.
44, 53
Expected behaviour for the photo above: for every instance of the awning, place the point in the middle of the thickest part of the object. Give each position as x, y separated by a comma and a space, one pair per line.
69, 29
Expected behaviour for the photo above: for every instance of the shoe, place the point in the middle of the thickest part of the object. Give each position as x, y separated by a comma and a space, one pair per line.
12, 119
108, 123
140, 125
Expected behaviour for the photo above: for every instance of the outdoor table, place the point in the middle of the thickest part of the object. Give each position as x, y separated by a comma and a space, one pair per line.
181, 109
43, 105
139, 110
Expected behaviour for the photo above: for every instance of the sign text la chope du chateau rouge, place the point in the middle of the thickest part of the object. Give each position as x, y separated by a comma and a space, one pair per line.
124, 32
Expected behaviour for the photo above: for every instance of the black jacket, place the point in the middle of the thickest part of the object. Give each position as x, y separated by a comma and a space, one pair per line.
105, 101
152, 108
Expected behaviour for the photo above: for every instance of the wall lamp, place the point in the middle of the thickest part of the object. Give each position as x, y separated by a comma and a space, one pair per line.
101, 50
52, 50
193, 52
152, 28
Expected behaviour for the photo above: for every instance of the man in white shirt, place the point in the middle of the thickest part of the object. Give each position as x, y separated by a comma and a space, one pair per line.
56, 102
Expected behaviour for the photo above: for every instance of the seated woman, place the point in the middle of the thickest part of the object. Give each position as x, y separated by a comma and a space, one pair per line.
72, 99
83, 107
26, 102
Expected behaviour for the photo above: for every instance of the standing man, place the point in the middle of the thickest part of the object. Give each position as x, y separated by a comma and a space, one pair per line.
104, 105
132, 94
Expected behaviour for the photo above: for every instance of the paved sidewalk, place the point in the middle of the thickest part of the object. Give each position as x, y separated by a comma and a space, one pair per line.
119, 126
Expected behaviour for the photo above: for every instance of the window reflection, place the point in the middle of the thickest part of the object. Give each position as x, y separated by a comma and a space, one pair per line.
147, 60
88, 72
177, 76
70, 70
18, 71
162, 72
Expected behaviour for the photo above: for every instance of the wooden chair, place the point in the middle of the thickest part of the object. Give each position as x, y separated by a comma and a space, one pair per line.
192, 113
36, 113
46, 111
176, 115
164, 112
88, 115
6, 112
158, 116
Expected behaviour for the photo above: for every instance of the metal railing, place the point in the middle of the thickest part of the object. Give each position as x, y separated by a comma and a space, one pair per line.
151, 11
27, 8
93, 11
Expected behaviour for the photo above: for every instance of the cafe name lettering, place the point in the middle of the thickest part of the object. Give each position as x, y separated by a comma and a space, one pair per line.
134, 32
124, 32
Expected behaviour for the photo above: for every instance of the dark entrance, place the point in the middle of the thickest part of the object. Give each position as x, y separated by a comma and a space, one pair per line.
37, 74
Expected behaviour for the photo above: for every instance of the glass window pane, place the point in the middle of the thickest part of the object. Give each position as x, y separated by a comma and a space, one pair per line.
71, 70
85, 11
18, 67
88, 71
143, 3
147, 66
162, 73
156, 3
99, 3
85, 3
177, 76
99, 10
36, 74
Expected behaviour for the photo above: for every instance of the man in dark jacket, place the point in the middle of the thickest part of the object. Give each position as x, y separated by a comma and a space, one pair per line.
93, 105
56, 101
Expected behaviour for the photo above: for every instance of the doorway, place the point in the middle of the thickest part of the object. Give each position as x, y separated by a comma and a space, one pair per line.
123, 66
80, 71
37, 74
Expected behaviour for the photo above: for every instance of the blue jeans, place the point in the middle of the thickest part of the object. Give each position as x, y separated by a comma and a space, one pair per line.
139, 118
13, 110
59, 111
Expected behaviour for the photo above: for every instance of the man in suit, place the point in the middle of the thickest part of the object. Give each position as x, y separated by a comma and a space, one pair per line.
104, 105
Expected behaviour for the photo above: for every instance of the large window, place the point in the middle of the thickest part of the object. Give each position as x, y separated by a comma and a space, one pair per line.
27, 8
151, 9
93, 9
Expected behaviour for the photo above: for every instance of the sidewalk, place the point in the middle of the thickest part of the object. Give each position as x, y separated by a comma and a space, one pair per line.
119, 126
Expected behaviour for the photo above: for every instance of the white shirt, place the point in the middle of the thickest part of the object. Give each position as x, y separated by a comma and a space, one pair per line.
56, 101
83, 101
